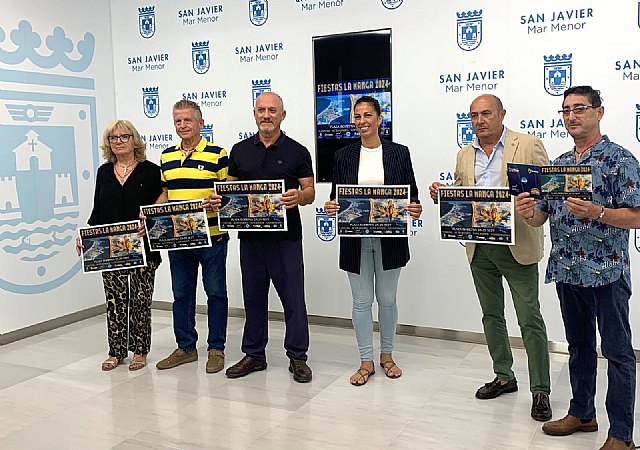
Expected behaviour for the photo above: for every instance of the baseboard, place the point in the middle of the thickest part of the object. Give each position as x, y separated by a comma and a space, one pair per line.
52, 324
408, 330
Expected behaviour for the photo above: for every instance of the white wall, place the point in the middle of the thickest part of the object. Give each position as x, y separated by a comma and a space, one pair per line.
436, 288
66, 104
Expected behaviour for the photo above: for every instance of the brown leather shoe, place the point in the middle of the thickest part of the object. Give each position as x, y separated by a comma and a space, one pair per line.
569, 425
245, 366
215, 361
177, 357
540, 407
300, 370
616, 444
496, 388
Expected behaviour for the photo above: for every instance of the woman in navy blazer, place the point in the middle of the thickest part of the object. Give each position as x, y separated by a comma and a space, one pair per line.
373, 264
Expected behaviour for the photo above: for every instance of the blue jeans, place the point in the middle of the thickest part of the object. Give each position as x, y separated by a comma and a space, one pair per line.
384, 283
607, 305
184, 280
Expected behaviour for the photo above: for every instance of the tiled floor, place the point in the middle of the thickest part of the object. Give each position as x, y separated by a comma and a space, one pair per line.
53, 395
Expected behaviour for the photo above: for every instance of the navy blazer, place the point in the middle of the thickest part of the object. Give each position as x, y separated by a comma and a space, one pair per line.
396, 162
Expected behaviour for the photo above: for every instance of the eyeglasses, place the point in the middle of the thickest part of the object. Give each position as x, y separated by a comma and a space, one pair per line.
122, 138
577, 110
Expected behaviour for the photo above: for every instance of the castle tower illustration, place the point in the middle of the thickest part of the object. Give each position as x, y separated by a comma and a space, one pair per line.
9, 206
30, 148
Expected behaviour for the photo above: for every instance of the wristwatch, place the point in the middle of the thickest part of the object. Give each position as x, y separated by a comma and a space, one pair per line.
601, 215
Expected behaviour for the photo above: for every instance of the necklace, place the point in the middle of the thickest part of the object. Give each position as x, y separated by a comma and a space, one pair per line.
125, 167
125, 172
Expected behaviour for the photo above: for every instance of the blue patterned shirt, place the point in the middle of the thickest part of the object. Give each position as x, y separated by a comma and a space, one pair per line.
587, 252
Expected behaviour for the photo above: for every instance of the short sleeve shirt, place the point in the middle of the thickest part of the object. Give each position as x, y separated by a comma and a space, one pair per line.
587, 252
285, 160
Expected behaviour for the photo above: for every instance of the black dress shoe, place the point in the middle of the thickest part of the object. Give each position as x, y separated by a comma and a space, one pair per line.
300, 370
496, 388
245, 366
540, 408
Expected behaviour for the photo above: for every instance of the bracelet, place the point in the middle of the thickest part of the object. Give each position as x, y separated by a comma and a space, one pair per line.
601, 215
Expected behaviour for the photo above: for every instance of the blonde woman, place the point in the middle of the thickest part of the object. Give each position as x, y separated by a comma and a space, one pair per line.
123, 184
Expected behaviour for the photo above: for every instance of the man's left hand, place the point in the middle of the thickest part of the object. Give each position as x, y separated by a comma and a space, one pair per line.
582, 208
290, 198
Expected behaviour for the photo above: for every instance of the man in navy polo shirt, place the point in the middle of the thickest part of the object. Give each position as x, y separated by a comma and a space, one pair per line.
274, 256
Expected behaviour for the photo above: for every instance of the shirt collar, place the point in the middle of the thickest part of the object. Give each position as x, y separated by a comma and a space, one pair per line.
200, 147
277, 143
476, 142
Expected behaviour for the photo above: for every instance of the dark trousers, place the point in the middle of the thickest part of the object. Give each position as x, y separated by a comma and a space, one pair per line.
489, 265
607, 305
280, 262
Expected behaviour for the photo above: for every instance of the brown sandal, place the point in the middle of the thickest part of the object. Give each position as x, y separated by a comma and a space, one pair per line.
363, 376
110, 363
137, 362
388, 366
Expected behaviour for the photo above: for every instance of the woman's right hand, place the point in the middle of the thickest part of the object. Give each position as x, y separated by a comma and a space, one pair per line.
79, 246
331, 207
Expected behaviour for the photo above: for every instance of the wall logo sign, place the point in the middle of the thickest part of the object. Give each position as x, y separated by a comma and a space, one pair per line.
151, 101
207, 132
392, 4
258, 12
465, 130
259, 86
44, 178
557, 73
325, 225
147, 21
469, 29
200, 57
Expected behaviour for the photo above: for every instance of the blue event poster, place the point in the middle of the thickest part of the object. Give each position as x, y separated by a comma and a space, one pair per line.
176, 225
112, 247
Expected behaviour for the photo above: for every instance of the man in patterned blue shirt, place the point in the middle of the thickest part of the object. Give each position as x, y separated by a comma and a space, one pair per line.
589, 262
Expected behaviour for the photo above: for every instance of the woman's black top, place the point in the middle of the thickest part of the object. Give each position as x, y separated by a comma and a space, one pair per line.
113, 202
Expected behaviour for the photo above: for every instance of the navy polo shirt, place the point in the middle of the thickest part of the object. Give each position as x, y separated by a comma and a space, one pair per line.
285, 160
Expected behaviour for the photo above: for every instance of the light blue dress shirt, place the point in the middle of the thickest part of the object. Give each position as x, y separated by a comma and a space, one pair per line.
488, 169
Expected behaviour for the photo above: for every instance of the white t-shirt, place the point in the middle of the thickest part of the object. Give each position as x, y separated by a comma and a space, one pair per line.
371, 170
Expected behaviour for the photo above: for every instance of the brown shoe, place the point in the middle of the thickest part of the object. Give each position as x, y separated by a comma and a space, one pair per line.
245, 366
215, 361
616, 444
540, 407
569, 425
300, 370
177, 357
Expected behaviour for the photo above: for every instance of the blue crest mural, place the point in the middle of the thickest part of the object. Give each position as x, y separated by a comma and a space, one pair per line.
48, 157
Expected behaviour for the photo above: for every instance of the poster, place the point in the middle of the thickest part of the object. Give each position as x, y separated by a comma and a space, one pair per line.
252, 206
176, 225
112, 247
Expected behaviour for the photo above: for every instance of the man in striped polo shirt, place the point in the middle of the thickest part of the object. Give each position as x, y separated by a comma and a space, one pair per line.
189, 170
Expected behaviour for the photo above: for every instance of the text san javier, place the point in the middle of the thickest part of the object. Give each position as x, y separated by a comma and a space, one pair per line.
630, 69
158, 141
207, 99
156, 61
544, 128
200, 15
485, 80
564, 20
268, 51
